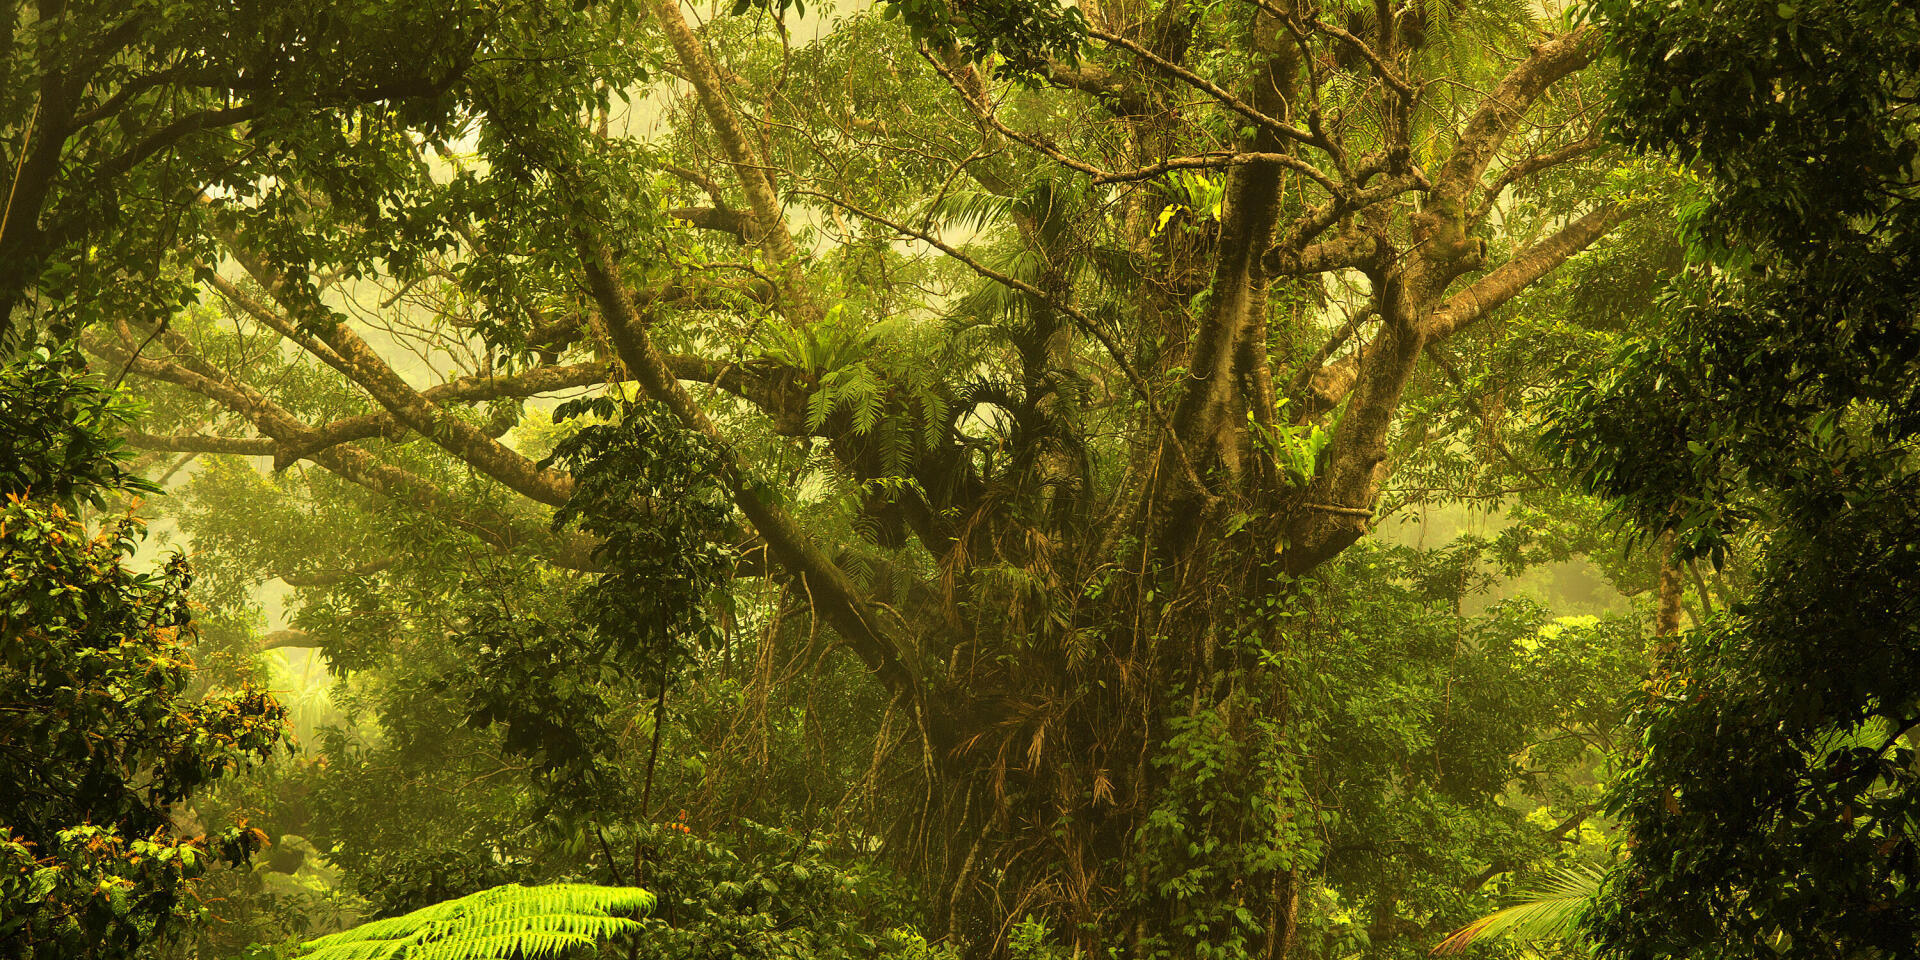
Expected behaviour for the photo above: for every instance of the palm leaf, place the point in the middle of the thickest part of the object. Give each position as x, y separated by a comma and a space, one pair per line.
513, 922
1551, 911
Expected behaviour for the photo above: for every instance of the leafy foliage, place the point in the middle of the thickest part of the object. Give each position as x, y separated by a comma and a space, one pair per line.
102, 739
667, 556
1033, 621
1441, 749
1017, 36
636, 622
57, 438
1781, 403
1551, 910
764, 893
511, 922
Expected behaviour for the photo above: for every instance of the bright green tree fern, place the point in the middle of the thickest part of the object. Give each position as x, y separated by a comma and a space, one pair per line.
512, 922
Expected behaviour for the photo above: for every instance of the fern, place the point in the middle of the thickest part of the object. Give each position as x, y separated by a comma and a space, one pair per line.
1297, 450
512, 922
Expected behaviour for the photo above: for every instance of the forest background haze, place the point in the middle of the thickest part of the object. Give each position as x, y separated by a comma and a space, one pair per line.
987, 479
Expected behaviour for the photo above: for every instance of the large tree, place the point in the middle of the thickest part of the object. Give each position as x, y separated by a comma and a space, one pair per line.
1041, 355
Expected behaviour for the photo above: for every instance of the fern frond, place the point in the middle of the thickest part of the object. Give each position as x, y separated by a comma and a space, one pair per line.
533, 945
513, 922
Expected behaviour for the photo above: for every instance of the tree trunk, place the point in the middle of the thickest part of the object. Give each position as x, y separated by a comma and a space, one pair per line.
1666, 621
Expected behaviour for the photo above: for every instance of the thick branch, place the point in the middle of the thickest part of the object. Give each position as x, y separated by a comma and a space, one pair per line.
352, 356
1502, 284
1303, 377
1092, 78
1502, 110
290, 637
775, 389
1331, 384
201, 443
1379, 374
169, 135
133, 87
834, 595
718, 219
1352, 250
1343, 495
768, 226
1293, 240
349, 461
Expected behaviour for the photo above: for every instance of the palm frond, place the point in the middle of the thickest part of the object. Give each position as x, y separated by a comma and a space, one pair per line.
1551, 911
1872, 734
968, 211
512, 922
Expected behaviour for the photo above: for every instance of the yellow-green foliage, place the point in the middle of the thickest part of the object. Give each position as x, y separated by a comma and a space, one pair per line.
504, 923
1551, 911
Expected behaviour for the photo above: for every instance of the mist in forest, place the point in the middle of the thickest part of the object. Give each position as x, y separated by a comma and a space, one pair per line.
986, 480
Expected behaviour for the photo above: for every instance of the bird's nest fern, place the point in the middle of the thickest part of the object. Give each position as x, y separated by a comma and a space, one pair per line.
512, 922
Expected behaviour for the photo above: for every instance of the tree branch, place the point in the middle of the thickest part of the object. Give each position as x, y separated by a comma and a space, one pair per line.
201, 443
1092, 78
1295, 239
768, 226
833, 593
1498, 286
1529, 166
1386, 73
348, 460
1352, 250
1330, 384
1281, 128
718, 219
290, 637
170, 134
1502, 110
986, 115
352, 357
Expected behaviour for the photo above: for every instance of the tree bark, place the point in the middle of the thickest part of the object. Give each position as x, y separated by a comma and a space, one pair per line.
1666, 621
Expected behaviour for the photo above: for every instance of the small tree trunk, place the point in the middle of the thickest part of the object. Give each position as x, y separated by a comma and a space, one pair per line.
1666, 622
